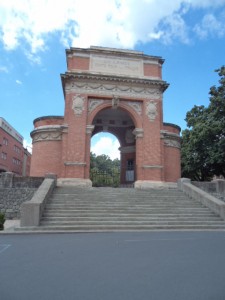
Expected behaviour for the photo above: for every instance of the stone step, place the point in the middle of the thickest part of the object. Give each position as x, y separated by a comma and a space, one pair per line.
118, 207
108, 228
123, 200
129, 210
85, 214
128, 218
118, 198
110, 209
134, 194
131, 223
114, 196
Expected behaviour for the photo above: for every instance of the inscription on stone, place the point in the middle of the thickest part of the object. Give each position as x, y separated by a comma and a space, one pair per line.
116, 65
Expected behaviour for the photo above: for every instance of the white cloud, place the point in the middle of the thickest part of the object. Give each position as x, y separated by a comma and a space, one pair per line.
112, 23
28, 145
210, 26
18, 82
107, 146
4, 69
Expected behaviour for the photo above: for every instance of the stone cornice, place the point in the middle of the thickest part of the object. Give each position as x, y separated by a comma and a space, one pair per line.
44, 118
75, 163
152, 167
89, 129
112, 51
138, 132
114, 78
127, 149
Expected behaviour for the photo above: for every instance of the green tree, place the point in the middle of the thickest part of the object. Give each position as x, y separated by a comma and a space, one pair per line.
203, 142
104, 171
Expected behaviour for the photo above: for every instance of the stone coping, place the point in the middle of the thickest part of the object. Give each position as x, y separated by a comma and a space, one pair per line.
172, 125
47, 118
214, 204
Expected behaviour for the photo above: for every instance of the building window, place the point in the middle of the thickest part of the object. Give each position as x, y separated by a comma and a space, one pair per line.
5, 142
17, 149
4, 155
130, 164
16, 161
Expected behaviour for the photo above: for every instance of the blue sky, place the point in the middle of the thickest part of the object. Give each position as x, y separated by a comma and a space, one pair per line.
189, 35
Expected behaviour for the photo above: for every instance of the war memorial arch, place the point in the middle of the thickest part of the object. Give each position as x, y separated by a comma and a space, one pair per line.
116, 91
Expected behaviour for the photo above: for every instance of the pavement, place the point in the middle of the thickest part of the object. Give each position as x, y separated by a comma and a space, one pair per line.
109, 266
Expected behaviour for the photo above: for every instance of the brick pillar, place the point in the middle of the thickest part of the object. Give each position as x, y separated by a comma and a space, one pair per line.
89, 130
138, 132
152, 145
75, 117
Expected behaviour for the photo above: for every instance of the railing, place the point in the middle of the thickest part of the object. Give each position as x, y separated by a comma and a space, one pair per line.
114, 177
103, 178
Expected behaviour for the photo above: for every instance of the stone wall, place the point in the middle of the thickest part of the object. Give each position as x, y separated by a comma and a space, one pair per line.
14, 191
12, 198
10, 180
216, 187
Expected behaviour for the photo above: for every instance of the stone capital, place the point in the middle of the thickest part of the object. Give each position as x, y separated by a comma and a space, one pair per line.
89, 129
138, 132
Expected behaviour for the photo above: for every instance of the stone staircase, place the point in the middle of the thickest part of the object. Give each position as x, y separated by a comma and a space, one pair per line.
124, 209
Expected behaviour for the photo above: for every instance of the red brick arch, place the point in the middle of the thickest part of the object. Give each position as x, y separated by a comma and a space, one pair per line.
61, 145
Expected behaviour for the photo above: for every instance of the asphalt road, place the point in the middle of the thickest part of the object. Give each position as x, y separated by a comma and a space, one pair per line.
102, 266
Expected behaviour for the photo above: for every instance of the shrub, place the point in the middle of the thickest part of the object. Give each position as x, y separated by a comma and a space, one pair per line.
2, 221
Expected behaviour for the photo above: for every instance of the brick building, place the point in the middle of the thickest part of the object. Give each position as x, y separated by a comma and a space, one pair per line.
117, 91
13, 156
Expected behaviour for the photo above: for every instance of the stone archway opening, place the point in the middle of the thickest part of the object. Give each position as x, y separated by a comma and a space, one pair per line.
105, 160
119, 123
105, 143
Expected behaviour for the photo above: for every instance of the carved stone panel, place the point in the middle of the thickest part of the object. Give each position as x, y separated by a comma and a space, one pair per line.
115, 102
116, 65
151, 110
137, 106
93, 103
78, 104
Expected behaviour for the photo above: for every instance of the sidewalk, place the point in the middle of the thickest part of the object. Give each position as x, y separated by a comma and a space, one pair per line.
9, 225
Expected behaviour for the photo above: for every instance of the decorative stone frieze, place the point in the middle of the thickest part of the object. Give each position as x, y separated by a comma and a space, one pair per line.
47, 133
119, 89
172, 143
151, 110
170, 139
78, 104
